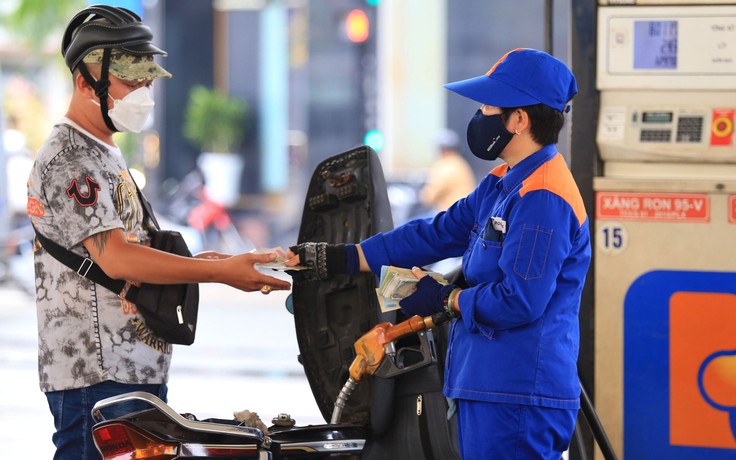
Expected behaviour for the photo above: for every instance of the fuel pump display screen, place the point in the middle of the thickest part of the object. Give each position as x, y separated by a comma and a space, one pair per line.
676, 48
656, 117
655, 45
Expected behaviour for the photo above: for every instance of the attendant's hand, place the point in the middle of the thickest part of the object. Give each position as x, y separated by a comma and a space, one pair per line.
428, 299
323, 259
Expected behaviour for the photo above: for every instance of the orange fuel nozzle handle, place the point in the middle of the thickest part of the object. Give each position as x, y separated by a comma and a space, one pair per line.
370, 349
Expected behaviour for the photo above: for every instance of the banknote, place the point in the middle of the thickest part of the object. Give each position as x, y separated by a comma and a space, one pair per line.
397, 283
279, 262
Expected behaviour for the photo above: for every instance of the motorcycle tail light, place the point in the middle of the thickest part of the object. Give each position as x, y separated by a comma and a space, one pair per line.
121, 441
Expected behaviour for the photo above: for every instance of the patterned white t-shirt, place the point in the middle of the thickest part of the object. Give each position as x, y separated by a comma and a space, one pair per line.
80, 186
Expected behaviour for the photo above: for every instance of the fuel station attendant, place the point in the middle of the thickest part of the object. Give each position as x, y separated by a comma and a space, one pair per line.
524, 238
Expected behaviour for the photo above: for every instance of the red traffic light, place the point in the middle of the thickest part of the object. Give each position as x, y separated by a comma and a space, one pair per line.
357, 26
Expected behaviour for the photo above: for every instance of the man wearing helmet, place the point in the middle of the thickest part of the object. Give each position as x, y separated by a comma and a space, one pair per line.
92, 343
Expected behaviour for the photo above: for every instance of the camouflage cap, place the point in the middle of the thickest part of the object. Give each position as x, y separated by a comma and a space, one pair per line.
129, 67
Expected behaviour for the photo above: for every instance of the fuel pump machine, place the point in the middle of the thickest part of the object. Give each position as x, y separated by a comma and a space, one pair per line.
665, 246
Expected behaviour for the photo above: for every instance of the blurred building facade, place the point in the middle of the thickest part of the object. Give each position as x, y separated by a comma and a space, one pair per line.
313, 92
313, 88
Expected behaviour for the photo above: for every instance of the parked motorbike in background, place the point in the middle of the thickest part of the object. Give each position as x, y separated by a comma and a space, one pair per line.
16, 233
16, 258
207, 223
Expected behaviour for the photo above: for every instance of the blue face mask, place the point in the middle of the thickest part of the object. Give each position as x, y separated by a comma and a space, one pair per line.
487, 136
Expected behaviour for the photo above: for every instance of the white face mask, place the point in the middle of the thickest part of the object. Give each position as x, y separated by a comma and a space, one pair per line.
131, 112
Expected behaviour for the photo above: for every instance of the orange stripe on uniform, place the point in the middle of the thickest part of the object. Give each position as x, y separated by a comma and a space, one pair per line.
555, 177
500, 170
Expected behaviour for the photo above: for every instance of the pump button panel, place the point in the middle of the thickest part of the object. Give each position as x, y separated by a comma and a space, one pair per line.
637, 126
655, 135
690, 129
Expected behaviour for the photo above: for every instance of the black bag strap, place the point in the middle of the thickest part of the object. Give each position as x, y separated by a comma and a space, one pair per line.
147, 209
86, 268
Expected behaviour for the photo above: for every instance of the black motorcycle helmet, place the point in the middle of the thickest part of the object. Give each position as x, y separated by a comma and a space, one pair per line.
107, 28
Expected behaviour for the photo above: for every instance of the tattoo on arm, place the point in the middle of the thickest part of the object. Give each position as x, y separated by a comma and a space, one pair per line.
100, 241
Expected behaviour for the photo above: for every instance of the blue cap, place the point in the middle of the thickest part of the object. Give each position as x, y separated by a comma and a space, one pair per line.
521, 77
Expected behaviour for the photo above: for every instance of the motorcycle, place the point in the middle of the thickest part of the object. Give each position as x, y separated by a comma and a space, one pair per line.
348, 188
399, 412
161, 433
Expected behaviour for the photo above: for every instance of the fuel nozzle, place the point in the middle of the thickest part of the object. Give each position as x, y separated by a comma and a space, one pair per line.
371, 348
375, 345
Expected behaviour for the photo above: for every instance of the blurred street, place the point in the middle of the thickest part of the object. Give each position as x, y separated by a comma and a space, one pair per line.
244, 357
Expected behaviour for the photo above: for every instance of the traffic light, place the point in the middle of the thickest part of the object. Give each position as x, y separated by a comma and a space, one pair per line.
357, 26
374, 139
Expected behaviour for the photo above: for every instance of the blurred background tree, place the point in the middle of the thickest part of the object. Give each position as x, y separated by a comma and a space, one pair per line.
34, 21
31, 64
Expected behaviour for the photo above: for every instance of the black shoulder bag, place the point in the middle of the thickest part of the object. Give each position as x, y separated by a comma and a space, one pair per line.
170, 310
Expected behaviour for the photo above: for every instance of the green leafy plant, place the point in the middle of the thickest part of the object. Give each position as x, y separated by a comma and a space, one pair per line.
214, 121
33, 21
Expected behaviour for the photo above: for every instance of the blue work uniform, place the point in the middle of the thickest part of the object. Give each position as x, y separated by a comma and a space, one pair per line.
524, 237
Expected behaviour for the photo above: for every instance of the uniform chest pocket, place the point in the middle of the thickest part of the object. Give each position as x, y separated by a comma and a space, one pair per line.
531, 256
481, 260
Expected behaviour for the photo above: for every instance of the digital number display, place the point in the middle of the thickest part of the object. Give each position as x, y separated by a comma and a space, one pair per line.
655, 45
656, 117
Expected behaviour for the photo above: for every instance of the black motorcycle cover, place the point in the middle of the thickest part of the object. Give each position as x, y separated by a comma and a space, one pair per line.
406, 415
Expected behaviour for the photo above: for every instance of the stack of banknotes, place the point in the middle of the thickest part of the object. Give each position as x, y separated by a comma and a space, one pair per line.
397, 283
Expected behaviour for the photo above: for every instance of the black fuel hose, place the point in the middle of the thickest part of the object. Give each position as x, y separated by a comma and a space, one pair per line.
595, 425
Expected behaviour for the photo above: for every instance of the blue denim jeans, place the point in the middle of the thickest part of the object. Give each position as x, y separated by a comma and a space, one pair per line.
72, 411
